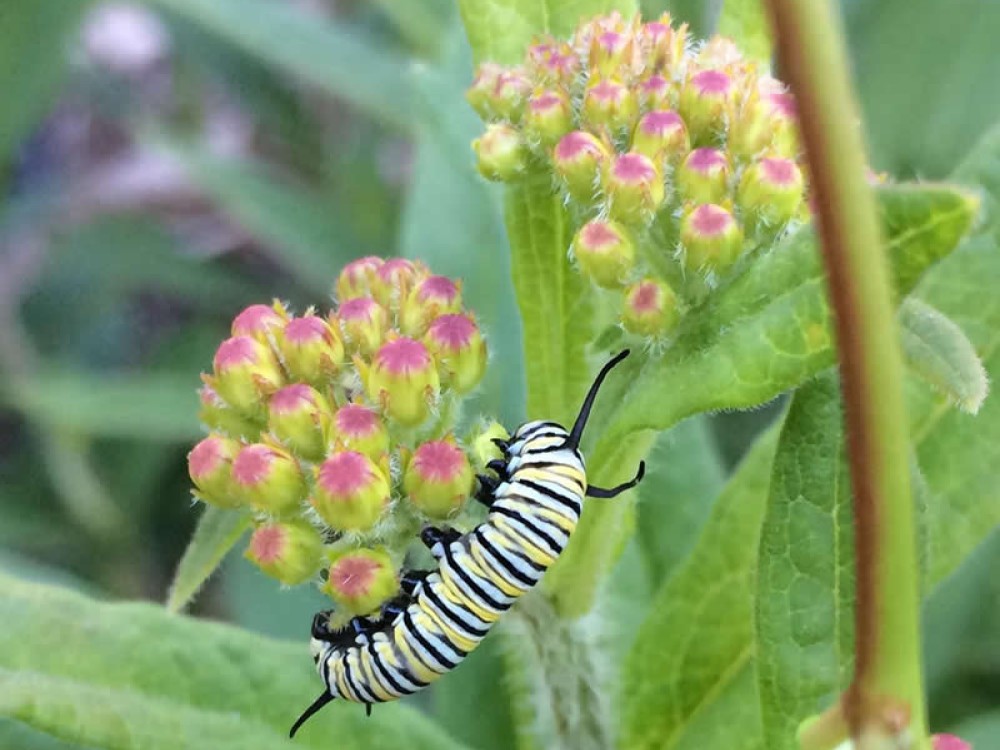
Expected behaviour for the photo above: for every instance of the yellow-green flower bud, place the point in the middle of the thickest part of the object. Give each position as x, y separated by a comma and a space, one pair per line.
459, 349
394, 280
351, 492
554, 64
357, 277
432, 297
361, 429
312, 350
605, 253
246, 372
609, 104
364, 323
650, 308
661, 136
268, 478
704, 176
510, 92
260, 321
610, 51
579, 159
299, 417
706, 98
438, 478
480, 93
664, 45
218, 415
501, 153
403, 380
292, 551
711, 238
361, 580
548, 118
771, 192
209, 465
634, 188
484, 447
656, 94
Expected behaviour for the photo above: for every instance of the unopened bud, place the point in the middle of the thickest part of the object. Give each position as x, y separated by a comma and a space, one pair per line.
664, 45
438, 478
269, 478
605, 253
218, 415
459, 349
609, 104
548, 118
634, 188
299, 417
360, 429
484, 447
610, 50
246, 372
579, 159
656, 93
719, 52
292, 552
662, 136
209, 465
784, 122
480, 93
394, 280
364, 323
357, 277
361, 580
771, 192
706, 98
501, 153
510, 92
650, 308
403, 380
949, 742
258, 321
704, 176
432, 297
312, 350
350, 492
712, 239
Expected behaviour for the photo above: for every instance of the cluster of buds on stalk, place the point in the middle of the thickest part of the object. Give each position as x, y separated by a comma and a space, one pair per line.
335, 430
677, 158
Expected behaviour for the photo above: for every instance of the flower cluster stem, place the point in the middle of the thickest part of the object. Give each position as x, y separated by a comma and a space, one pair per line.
885, 698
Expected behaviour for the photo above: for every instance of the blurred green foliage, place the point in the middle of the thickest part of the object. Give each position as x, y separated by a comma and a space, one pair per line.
164, 165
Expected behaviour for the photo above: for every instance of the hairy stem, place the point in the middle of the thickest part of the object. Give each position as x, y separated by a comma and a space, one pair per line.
886, 695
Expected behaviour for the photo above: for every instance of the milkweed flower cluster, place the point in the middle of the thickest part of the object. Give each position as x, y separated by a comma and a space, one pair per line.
677, 158
334, 429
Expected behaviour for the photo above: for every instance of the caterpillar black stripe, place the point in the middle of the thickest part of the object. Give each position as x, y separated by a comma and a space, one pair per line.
534, 504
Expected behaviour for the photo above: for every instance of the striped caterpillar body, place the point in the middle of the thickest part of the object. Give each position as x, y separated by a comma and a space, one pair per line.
534, 504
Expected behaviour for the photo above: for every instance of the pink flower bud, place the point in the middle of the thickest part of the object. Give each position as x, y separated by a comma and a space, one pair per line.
299, 417
218, 415
661, 136
949, 742
650, 308
480, 93
609, 104
634, 188
246, 372
664, 45
656, 93
706, 98
559, 68
784, 122
257, 321
394, 280
610, 50
357, 277
312, 350
360, 429
510, 92
605, 253
268, 478
438, 478
712, 239
719, 52
403, 380
292, 552
771, 192
548, 118
704, 176
501, 153
364, 323
432, 297
350, 492
579, 159
209, 464
459, 349
361, 580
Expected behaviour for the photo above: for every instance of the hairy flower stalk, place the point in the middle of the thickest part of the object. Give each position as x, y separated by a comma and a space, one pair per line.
327, 428
683, 145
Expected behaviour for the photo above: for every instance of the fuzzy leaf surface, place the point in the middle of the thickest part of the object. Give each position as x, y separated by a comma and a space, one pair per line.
218, 531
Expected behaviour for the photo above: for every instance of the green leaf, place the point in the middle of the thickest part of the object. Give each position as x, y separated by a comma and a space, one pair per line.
124, 664
501, 30
338, 60
688, 681
218, 531
937, 350
745, 22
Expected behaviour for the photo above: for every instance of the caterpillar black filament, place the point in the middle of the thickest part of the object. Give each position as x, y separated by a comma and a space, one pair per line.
534, 504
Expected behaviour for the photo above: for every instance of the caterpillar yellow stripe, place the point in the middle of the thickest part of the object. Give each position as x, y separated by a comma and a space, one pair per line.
534, 505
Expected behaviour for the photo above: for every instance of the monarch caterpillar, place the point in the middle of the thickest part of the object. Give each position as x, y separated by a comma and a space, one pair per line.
534, 504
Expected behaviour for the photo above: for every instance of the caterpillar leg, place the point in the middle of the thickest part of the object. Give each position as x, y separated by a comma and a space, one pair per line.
411, 579
615, 491
436, 539
500, 467
487, 489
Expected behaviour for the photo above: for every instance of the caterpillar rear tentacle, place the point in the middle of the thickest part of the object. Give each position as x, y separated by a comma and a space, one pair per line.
441, 615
